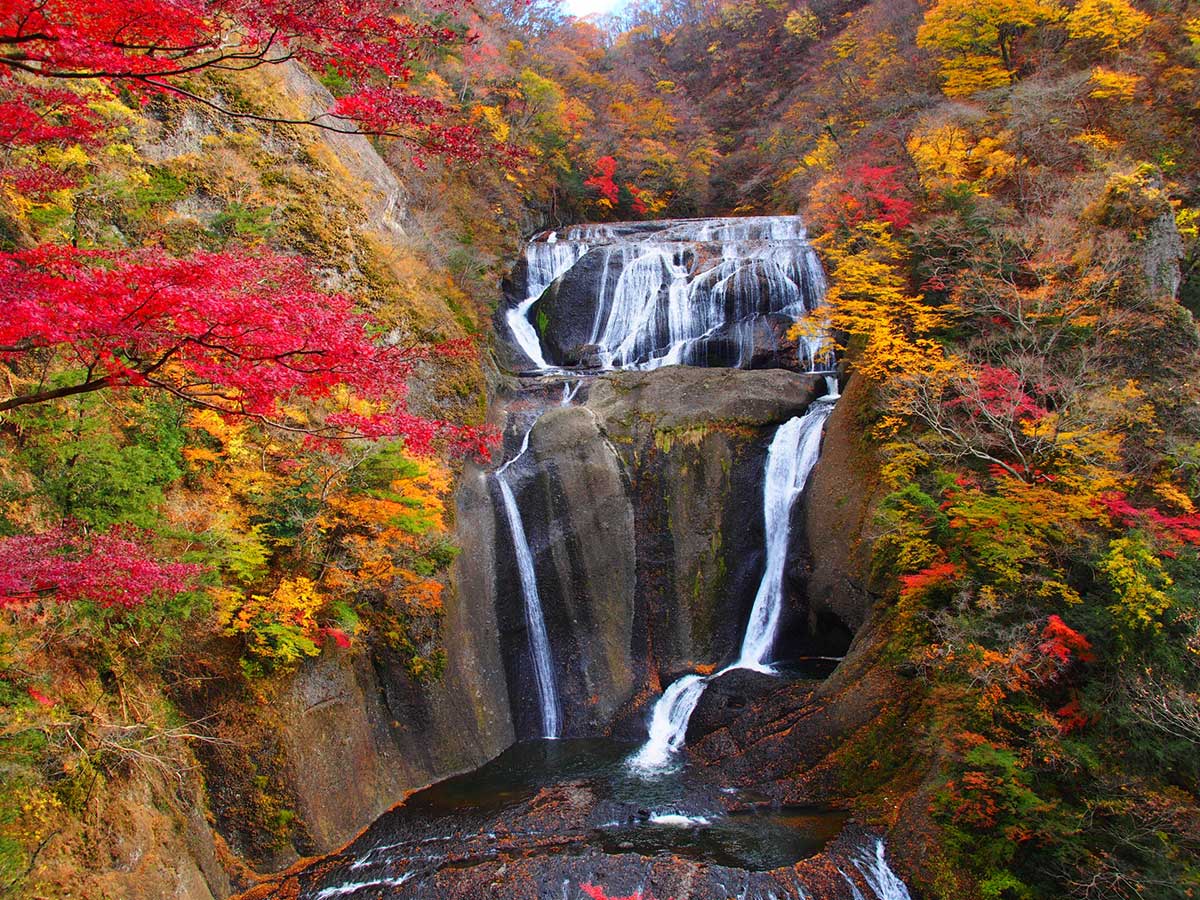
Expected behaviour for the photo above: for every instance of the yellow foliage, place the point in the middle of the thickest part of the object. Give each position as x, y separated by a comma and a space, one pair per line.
493, 120
1108, 25
822, 155
868, 300
65, 157
1174, 496
1111, 85
1140, 583
973, 74
1094, 140
1188, 222
1192, 29
375, 530
280, 628
1052, 589
948, 156
803, 24
903, 460
974, 38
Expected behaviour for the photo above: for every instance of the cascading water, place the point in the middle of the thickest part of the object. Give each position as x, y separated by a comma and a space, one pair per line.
685, 291
545, 260
680, 286
693, 292
884, 883
668, 724
790, 459
535, 622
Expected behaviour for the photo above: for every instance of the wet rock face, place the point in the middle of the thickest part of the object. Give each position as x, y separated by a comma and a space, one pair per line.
643, 510
579, 524
727, 698
838, 516
566, 312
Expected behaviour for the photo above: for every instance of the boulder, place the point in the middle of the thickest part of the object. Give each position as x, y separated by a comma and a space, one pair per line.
726, 698
839, 512
565, 314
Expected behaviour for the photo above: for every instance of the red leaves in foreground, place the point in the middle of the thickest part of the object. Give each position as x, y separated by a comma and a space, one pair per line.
338, 636
38, 697
35, 115
145, 45
246, 334
603, 180
929, 579
111, 569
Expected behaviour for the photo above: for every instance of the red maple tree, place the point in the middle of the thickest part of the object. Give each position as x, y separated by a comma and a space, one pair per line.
149, 46
246, 334
602, 179
112, 568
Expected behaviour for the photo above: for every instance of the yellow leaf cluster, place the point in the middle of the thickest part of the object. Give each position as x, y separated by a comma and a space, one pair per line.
1139, 583
974, 39
869, 301
493, 120
1106, 24
948, 156
1108, 84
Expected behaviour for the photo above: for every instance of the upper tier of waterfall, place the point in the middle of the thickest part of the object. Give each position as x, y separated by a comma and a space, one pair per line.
681, 291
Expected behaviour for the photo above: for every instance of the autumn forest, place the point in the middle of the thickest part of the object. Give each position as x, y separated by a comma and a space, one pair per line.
259, 267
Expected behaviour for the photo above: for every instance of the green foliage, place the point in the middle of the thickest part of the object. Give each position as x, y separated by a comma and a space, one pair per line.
335, 82
102, 466
163, 187
246, 223
911, 526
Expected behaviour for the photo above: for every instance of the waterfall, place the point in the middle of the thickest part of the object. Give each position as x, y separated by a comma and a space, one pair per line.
685, 291
790, 460
668, 726
884, 883
545, 260
535, 622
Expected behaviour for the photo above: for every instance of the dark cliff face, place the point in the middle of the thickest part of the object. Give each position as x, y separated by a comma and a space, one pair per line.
838, 514
643, 510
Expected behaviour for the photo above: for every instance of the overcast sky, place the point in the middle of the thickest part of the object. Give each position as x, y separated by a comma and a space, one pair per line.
587, 7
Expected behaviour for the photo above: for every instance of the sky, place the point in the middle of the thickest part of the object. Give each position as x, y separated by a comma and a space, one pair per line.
587, 7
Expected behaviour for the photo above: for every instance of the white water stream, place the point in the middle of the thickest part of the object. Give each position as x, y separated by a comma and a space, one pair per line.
535, 621
790, 460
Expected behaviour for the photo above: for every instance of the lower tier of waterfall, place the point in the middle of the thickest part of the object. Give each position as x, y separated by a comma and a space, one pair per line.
790, 459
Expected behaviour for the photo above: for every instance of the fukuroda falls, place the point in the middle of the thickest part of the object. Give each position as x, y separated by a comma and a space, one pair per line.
632, 348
